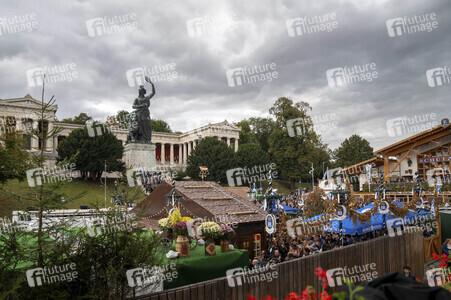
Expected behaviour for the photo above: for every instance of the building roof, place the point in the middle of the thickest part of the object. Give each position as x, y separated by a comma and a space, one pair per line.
415, 140
201, 199
360, 169
27, 102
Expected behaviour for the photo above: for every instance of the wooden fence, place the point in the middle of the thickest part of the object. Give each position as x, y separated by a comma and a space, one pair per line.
389, 254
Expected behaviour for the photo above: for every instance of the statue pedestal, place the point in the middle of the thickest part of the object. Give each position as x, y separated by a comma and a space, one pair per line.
140, 156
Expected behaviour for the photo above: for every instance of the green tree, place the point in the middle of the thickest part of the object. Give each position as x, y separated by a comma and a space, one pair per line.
246, 134
262, 129
213, 154
249, 155
80, 119
353, 150
14, 159
294, 154
120, 120
91, 152
160, 126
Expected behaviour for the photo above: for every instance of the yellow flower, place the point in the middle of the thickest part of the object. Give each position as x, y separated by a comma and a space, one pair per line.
164, 223
175, 217
185, 219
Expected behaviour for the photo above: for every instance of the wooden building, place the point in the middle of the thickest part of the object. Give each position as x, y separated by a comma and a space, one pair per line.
211, 202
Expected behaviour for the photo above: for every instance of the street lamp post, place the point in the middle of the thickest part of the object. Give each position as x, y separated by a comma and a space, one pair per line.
105, 183
313, 177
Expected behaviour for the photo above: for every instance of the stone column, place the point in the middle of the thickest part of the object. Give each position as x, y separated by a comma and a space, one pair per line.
219, 138
171, 154
49, 142
34, 140
236, 145
228, 142
189, 148
163, 155
180, 154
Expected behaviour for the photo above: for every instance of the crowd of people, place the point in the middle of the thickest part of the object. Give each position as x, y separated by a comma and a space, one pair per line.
151, 180
291, 248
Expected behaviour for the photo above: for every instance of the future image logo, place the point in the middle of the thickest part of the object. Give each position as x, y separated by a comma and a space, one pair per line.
18, 23
111, 24
211, 25
54, 74
157, 73
342, 76
152, 275
438, 76
249, 75
239, 276
356, 274
248, 175
52, 274
311, 24
408, 125
411, 25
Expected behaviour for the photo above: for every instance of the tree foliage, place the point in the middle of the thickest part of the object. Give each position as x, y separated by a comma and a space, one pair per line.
246, 134
14, 159
80, 119
213, 154
160, 126
352, 150
91, 152
262, 129
249, 155
294, 154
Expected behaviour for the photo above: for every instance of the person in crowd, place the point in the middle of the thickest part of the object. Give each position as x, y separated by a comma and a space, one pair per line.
255, 264
277, 256
446, 247
408, 272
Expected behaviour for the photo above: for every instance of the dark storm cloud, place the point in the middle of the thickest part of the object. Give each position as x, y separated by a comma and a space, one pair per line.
253, 33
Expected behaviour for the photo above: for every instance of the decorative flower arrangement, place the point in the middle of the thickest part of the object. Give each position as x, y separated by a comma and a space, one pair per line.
210, 230
227, 231
444, 266
185, 219
164, 223
175, 217
180, 228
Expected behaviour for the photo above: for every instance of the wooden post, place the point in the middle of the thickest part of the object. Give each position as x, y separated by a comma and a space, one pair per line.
437, 217
386, 169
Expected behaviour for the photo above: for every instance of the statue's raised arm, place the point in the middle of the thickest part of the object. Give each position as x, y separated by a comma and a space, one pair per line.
152, 93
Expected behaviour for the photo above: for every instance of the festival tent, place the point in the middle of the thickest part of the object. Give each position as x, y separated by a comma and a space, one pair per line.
376, 221
315, 218
287, 209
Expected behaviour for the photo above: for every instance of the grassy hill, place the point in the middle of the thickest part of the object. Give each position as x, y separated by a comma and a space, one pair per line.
95, 193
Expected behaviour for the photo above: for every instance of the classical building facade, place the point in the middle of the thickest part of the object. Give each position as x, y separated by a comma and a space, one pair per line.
172, 149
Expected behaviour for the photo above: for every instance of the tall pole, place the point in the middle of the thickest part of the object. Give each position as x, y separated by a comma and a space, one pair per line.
105, 183
313, 178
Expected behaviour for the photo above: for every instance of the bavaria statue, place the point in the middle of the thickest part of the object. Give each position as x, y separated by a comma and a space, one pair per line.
140, 125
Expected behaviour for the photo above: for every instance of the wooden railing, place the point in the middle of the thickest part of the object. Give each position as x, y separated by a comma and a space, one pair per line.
431, 245
388, 254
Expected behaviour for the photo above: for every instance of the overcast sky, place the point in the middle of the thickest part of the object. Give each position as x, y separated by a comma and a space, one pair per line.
199, 41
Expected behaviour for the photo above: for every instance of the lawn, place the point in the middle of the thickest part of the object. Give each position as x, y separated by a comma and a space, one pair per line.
95, 193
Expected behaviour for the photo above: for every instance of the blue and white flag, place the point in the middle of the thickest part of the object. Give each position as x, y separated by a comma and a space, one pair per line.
439, 187
433, 206
368, 172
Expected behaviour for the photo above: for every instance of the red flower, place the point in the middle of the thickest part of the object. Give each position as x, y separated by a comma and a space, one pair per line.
251, 297
293, 296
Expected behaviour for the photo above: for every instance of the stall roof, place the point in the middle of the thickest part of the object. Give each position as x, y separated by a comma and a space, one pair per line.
204, 199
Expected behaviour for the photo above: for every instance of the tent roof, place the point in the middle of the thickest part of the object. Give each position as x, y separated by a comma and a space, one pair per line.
205, 199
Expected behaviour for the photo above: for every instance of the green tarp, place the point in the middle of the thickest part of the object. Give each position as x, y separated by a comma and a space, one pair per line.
199, 267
